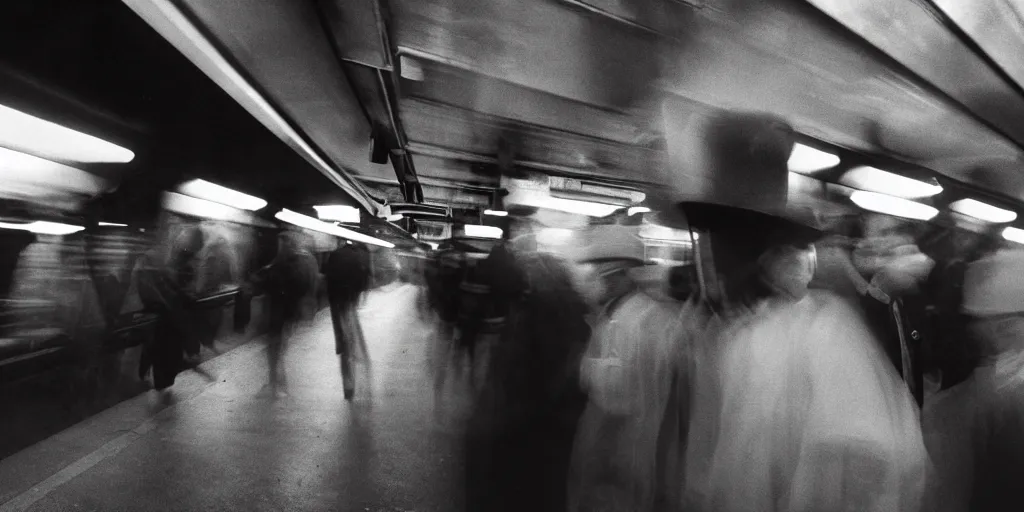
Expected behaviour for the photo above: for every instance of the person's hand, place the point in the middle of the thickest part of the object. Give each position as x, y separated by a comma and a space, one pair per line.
903, 274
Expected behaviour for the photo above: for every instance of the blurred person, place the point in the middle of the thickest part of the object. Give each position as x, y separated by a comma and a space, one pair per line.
682, 282
218, 261
487, 288
628, 373
951, 360
443, 278
793, 405
975, 429
184, 267
158, 281
888, 256
217, 270
385, 266
289, 281
347, 272
54, 300
524, 418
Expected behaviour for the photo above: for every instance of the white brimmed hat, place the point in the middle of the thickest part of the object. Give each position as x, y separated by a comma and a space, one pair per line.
612, 243
995, 285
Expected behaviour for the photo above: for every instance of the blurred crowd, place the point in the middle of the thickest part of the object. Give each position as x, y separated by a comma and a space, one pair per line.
794, 362
858, 362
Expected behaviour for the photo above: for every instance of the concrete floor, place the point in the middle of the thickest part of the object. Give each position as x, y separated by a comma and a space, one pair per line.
229, 444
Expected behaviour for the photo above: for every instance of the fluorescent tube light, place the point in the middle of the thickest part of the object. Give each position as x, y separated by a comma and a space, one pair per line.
31, 134
114, 224
496, 213
633, 210
884, 182
307, 222
983, 211
890, 205
477, 231
807, 159
188, 205
1014, 235
43, 227
338, 213
575, 206
203, 189
19, 169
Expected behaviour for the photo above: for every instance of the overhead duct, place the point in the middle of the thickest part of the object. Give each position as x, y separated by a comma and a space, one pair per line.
433, 231
419, 210
579, 189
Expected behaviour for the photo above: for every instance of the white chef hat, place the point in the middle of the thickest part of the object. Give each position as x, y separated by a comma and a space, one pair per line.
994, 285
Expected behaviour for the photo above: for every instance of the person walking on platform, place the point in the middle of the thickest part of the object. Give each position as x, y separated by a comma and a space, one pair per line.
628, 372
288, 281
347, 272
158, 281
795, 406
974, 430
524, 417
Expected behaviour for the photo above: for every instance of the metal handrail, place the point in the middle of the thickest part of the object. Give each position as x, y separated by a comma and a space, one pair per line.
218, 296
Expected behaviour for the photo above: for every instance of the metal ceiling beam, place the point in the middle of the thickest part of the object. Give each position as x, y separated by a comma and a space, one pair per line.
445, 84
925, 46
438, 183
845, 92
375, 83
996, 27
664, 18
447, 193
540, 45
453, 154
471, 132
359, 30
175, 26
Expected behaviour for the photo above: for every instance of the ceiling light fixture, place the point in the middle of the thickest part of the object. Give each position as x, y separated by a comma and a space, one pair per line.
113, 224
1014, 235
496, 213
18, 170
188, 205
43, 227
575, 206
203, 189
890, 205
396, 217
633, 210
338, 213
808, 159
876, 180
477, 231
303, 221
983, 211
31, 134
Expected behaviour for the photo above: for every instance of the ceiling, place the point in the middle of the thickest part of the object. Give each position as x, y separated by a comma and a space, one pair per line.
453, 91
99, 68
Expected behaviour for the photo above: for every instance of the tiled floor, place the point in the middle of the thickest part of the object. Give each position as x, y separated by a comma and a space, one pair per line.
229, 444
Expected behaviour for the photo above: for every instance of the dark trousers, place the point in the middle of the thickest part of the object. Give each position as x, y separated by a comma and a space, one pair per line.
348, 337
163, 354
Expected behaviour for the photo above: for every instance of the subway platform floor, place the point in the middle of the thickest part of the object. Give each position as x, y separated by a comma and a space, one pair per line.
224, 441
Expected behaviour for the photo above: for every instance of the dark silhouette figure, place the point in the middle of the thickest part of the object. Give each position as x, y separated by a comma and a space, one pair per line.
347, 272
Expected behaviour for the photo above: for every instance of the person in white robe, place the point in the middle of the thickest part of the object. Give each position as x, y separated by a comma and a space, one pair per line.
628, 371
